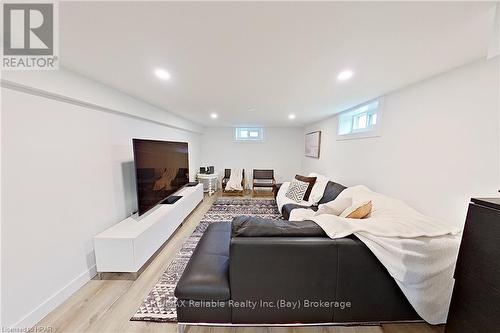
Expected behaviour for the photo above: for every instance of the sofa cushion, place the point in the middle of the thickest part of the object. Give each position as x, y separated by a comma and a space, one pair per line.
206, 276
334, 207
318, 189
332, 190
286, 205
287, 209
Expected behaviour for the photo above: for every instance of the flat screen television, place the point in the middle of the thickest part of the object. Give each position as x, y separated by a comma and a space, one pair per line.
161, 168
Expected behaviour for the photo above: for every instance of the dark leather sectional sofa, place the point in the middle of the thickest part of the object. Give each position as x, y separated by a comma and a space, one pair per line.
256, 271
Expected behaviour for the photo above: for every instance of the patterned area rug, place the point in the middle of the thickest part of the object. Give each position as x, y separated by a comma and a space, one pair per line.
159, 305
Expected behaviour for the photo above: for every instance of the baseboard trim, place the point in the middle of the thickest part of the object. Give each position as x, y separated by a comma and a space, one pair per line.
350, 323
38, 313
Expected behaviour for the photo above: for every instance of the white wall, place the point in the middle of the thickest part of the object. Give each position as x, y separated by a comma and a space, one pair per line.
438, 147
494, 46
282, 150
67, 174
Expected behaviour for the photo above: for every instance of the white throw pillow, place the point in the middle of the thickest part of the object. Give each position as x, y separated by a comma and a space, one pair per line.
297, 190
334, 207
318, 188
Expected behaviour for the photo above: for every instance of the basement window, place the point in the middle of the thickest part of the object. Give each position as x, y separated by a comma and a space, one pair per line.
249, 134
361, 121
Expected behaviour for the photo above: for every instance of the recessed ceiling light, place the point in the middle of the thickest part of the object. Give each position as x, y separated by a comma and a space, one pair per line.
213, 115
345, 75
162, 74
291, 116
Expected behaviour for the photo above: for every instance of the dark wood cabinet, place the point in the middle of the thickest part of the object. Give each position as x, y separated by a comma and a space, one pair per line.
475, 304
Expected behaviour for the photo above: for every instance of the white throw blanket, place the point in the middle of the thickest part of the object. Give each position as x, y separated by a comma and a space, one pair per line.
419, 252
234, 182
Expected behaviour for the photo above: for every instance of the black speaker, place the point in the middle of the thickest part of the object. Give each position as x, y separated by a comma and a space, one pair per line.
210, 169
203, 170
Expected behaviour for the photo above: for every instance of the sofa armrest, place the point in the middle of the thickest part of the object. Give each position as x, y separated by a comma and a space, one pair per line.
268, 269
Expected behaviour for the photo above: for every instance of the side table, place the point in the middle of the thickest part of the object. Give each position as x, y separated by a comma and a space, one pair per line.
210, 182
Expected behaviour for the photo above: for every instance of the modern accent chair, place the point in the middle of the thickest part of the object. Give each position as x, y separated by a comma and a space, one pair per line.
263, 178
227, 175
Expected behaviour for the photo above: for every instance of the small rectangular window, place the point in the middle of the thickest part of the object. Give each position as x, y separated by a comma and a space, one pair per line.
249, 134
360, 121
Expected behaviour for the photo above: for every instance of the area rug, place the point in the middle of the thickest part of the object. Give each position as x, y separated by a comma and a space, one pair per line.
159, 305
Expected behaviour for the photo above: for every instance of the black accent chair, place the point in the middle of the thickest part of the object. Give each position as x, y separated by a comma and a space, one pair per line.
263, 178
227, 175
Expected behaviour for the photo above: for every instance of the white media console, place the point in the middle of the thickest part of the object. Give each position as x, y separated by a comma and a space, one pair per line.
128, 245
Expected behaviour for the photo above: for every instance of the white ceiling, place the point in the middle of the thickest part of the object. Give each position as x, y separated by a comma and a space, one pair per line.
255, 62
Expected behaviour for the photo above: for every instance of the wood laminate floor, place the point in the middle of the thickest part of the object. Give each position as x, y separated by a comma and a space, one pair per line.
107, 305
